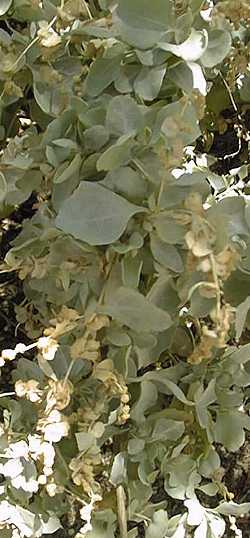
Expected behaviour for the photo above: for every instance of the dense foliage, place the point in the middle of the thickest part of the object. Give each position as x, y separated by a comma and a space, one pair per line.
135, 264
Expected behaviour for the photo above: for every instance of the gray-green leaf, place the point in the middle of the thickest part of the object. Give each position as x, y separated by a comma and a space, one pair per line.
148, 82
233, 509
123, 116
3, 187
70, 170
143, 22
158, 526
219, 44
4, 6
133, 309
102, 73
145, 14
95, 214
241, 316
116, 155
167, 255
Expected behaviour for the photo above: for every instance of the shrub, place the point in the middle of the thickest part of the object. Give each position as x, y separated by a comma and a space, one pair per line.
135, 264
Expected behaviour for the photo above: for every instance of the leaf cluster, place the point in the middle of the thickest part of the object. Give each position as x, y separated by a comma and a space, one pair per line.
134, 265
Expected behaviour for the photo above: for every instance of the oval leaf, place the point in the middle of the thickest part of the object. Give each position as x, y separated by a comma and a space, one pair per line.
219, 44
123, 116
102, 73
4, 6
148, 82
132, 309
95, 214
145, 14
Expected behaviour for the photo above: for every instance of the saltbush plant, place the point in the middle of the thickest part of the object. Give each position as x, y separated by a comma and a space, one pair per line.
135, 265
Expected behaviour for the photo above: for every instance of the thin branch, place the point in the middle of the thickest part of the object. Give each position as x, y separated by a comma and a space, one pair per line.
87, 9
121, 511
71, 365
217, 284
30, 45
229, 93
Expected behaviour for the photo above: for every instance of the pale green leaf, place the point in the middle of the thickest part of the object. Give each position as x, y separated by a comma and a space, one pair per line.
164, 295
239, 356
124, 82
241, 316
3, 187
169, 231
173, 119
207, 397
148, 82
209, 463
95, 215
143, 23
102, 73
233, 509
229, 429
71, 169
167, 430
133, 309
146, 400
188, 76
160, 379
209, 489
85, 440
151, 57
59, 126
159, 525
4, 6
117, 336
117, 155
51, 526
123, 116
52, 100
95, 137
145, 15
131, 270
65, 143
103, 523
219, 44
166, 254
143, 340
128, 183
135, 446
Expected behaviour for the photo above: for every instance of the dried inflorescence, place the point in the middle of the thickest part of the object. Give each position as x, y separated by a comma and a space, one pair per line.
237, 11
84, 469
213, 338
237, 63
